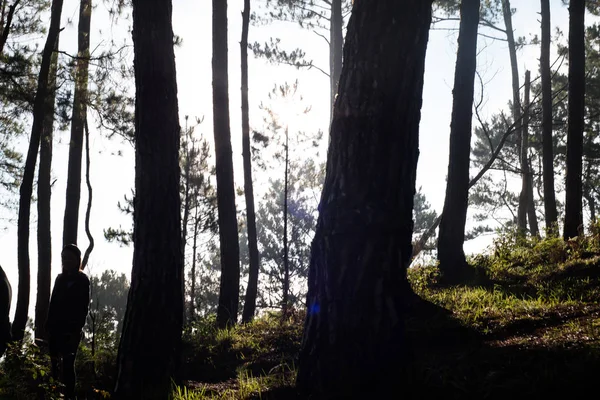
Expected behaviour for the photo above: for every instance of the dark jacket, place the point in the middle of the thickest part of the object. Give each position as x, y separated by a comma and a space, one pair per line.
68, 304
5, 298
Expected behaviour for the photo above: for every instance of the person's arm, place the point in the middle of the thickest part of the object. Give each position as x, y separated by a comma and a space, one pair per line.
51, 318
84, 300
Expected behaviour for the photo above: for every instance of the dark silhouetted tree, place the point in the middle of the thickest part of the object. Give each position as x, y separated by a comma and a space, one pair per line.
551, 215
44, 237
228, 228
362, 246
26, 190
80, 99
252, 288
454, 215
574, 192
151, 338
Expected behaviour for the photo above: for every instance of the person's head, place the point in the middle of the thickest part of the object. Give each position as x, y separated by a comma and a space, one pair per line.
71, 258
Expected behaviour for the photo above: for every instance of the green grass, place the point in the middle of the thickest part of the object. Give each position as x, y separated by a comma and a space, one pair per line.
527, 325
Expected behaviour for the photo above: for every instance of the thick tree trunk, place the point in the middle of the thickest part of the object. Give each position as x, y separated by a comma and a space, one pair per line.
336, 49
573, 206
228, 229
353, 335
547, 148
80, 98
285, 303
151, 338
252, 288
26, 190
454, 215
44, 237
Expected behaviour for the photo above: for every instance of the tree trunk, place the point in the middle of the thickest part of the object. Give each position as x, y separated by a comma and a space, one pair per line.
194, 254
547, 148
44, 237
151, 337
6, 26
573, 206
418, 247
285, 303
26, 190
336, 49
252, 288
80, 98
353, 335
526, 202
516, 106
228, 229
525, 176
2, 10
186, 205
88, 211
588, 190
531, 215
454, 215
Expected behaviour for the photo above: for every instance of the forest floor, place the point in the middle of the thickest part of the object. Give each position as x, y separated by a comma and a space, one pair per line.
528, 325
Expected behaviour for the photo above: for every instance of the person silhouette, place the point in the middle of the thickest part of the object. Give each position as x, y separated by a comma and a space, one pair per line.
66, 317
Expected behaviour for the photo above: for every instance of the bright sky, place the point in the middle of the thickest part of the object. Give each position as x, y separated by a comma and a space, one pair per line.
112, 175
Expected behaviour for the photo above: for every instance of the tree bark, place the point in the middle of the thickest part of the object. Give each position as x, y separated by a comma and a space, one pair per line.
336, 49
151, 337
44, 237
353, 340
26, 189
576, 109
454, 215
551, 214
80, 98
228, 228
252, 288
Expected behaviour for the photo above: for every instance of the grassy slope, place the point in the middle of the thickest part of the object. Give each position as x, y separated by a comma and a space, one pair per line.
528, 326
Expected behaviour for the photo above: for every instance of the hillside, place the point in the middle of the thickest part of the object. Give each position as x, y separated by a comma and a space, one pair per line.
528, 325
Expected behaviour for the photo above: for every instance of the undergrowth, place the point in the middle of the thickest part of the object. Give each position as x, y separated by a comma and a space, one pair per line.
528, 325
